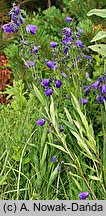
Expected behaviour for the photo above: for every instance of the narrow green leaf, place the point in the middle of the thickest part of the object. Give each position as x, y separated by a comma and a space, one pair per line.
52, 112
75, 175
43, 156
94, 178
81, 143
68, 116
75, 102
68, 124
38, 95
53, 176
77, 184
100, 35
58, 147
43, 138
97, 12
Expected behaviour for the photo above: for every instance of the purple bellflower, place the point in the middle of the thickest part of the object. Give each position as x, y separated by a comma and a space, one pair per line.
53, 158
50, 64
24, 42
103, 89
77, 58
86, 89
7, 28
35, 49
45, 83
48, 92
31, 29
58, 83
78, 35
100, 99
59, 168
67, 31
88, 57
67, 40
68, 19
79, 44
87, 75
53, 44
65, 50
100, 79
80, 30
83, 195
95, 85
29, 64
61, 129
84, 101
41, 122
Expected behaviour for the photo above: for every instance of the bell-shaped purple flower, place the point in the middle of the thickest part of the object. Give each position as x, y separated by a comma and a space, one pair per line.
21, 21
100, 99
48, 92
53, 158
88, 57
80, 30
24, 42
41, 122
61, 129
59, 168
67, 40
103, 89
45, 83
65, 50
79, 44
35, 49
100, 79
67, 31
68, 19
14, 17
78, 35
64, 75
16, 9
53, 44
87, 75
8, 28
23, 15
95, 85
58, 83
77, 58
50, 64
84, 101
83, 195
31, 29
86, 89
29, 64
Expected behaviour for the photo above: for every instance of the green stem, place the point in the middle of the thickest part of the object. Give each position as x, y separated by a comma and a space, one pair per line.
103, 114
81, 173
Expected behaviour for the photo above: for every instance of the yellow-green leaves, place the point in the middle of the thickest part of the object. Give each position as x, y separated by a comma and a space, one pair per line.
97, 12
38, 95
81, 130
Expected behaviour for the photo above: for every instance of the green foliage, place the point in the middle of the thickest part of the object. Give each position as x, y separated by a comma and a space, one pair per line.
79, 8
99, 36
97, 12
100, 48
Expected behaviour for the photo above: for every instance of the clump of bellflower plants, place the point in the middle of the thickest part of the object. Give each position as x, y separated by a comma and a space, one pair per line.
53, 81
